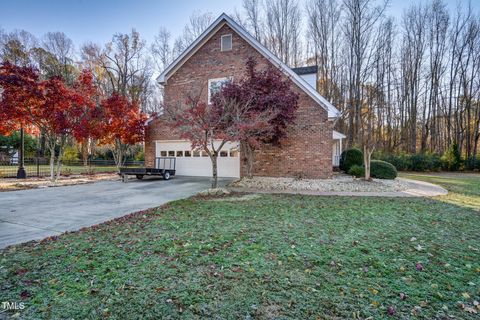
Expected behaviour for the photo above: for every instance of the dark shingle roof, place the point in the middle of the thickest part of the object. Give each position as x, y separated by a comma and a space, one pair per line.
305, 70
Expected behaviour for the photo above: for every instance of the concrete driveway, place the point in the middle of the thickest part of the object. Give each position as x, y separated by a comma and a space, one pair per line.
35, 214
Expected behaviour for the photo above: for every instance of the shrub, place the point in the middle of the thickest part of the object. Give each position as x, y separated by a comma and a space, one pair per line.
412, 162
357, 171
382, 170
349, 158
425, 162
400, 161
452, 159
472, 163
70, 154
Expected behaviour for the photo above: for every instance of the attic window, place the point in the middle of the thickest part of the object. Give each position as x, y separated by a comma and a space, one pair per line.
226, 42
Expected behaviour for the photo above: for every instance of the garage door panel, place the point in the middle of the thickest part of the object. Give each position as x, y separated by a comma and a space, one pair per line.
201, 166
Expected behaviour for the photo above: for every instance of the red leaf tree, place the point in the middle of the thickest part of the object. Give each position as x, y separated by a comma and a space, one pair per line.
259, 109
19, 94
86, 114
203, 126
44, 105
123, 124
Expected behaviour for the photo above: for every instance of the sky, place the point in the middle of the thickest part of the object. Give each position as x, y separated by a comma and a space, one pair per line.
97, 20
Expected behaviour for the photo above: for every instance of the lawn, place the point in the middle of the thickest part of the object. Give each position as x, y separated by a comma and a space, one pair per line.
259, 257
463, 188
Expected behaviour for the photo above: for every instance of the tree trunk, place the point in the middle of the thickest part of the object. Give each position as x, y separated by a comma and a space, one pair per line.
118, 153
367, 155
59, 159
85, 153
214, 157
249, 157
51, 147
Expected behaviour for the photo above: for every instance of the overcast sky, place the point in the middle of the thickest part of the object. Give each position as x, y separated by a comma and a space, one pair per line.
98, 20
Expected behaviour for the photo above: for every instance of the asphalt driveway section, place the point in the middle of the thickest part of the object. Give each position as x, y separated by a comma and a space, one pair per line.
38, 213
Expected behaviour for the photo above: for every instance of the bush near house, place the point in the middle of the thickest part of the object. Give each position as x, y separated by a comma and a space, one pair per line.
357, 171
349, 158
378, 169
382, 170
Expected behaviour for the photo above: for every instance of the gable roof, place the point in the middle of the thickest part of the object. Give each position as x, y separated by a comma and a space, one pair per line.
305, 70
225, 19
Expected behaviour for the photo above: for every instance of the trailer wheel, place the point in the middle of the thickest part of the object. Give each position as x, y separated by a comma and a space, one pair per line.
139, 176
166, 175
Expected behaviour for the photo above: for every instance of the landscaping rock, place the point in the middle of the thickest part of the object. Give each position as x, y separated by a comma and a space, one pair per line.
340, 183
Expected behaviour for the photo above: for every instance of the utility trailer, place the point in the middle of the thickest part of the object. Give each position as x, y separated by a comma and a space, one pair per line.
164, 166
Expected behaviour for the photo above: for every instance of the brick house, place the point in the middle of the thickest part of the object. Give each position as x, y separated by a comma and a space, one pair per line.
219, 54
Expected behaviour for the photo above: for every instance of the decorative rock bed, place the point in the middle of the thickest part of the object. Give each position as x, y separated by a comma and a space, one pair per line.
340, 183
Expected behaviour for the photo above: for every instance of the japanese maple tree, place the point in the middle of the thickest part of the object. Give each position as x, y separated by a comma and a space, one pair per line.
199, 123
259, 109
43, 105
123, 124
54, 119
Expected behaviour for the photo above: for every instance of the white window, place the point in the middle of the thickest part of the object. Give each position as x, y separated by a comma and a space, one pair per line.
214, 85
226, 42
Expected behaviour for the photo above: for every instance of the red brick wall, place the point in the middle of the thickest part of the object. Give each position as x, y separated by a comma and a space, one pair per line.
306, 152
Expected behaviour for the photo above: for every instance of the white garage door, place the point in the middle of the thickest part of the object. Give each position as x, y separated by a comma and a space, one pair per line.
197, 163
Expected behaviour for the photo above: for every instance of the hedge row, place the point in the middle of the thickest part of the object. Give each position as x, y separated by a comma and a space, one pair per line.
429, 162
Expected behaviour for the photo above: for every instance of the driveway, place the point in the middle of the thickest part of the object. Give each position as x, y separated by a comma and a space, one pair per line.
35, 214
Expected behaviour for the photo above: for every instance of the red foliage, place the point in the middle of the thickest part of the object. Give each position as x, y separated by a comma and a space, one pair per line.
54, 116
200, 124
20, 93
263, 105
86, 114
122, 121
27, 101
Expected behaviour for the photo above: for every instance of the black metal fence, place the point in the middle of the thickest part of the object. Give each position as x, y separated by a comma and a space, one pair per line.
40, 167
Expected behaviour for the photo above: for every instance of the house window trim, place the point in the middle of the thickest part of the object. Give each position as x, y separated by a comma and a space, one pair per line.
231, 42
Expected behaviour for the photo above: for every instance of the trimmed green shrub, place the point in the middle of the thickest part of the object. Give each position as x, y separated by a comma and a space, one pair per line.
357, 171
349, 158
382, 170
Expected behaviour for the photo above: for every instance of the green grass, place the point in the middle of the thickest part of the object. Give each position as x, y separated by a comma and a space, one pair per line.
463, 188
274, 256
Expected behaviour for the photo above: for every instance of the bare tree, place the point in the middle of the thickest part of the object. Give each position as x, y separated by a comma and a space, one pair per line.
57, 56
361, 16
413, 55
254, 20
162, 50
282, 32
